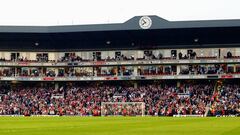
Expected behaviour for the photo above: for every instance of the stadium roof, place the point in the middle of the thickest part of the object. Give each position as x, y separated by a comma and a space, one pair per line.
132, 24
128, 35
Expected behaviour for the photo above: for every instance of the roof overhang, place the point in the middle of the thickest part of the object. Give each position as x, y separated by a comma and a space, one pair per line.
132, 24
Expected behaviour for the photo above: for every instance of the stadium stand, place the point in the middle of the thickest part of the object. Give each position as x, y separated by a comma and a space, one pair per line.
166, 69
85, 99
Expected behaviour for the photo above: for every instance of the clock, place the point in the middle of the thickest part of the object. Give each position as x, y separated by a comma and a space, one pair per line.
145, 22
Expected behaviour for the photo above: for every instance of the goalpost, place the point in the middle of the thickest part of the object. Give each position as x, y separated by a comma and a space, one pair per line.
122, 109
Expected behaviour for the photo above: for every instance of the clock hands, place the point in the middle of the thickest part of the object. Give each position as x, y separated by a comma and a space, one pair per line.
144, 22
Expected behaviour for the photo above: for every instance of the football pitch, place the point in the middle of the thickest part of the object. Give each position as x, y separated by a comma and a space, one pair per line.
118, 126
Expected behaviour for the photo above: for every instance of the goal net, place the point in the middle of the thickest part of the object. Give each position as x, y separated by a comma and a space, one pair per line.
122, 108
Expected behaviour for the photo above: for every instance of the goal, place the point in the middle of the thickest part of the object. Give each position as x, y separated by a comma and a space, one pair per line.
122, 109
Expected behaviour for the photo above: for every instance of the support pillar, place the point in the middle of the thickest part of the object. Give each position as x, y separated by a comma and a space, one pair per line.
135, 71
178, 83
178, 69
135, 85
56, 86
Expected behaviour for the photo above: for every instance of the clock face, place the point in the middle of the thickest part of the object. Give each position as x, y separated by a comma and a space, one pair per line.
145, 22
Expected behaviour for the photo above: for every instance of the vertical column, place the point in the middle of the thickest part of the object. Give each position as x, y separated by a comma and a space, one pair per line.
156, 68
164, 69
56, 56
94, 71
28, 55
135, 85
234, 68
135, 55
42, 74
56, 85
56, 71
28, 70
15, 71
41, 84
135, 71
178, 69
178, 83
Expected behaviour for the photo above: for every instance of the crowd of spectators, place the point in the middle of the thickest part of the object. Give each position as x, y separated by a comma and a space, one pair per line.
84, 100
148, 55
226, 100
71, 57
190, 55
2, 59
216, 69
184, 100
204, 69
8, 72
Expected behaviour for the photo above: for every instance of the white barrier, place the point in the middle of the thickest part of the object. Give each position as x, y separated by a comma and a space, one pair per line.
188, 115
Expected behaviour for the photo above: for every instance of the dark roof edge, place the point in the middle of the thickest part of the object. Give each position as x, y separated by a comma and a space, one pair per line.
131, 24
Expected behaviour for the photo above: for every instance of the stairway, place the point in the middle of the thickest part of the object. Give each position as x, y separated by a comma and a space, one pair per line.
207, 108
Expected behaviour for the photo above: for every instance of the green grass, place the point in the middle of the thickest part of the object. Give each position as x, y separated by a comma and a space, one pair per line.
118, 126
